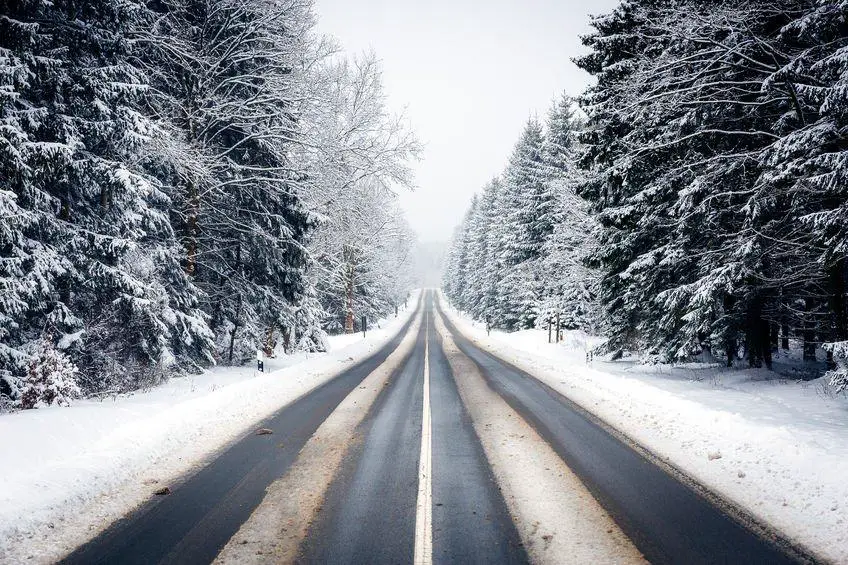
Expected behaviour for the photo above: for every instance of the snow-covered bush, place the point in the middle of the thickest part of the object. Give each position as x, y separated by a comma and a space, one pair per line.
51, 377
313, 340
9, 391
838, 377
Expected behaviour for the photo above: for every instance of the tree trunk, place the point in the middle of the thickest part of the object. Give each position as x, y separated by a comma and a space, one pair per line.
191, 230
837, 300
349, 299
765, 334
287, 340
557, 327
232, 342
268, 348
784, 335
809, 332
235, 329
774, 337
730, 344
349, 255
757, 335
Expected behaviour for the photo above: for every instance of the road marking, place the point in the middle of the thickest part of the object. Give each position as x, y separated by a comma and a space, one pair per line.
424, 510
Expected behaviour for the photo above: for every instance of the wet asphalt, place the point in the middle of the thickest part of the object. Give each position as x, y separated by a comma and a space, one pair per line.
369, 512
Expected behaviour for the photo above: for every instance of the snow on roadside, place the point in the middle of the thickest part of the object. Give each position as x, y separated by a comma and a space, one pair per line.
778, 449
69, 472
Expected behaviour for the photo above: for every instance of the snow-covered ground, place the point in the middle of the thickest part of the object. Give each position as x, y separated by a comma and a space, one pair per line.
67, 472
776, 448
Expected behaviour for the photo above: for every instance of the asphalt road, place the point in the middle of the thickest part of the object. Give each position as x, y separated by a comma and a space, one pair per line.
368, 514
193, 523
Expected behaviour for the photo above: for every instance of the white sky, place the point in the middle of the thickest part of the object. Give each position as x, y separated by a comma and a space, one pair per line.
468, 74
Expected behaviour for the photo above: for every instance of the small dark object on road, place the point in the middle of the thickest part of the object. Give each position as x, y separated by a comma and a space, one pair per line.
264, 432
162, 491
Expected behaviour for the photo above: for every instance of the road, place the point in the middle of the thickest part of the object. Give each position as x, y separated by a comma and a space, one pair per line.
459, 457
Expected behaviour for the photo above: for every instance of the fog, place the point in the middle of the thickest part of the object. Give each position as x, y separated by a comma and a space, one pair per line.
468, 74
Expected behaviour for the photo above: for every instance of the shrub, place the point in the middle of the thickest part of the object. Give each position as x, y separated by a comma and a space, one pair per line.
51, 377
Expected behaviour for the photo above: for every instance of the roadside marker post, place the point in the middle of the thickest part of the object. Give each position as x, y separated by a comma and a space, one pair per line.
260, 361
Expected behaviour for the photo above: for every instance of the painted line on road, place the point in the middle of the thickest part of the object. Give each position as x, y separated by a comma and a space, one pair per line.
424, 510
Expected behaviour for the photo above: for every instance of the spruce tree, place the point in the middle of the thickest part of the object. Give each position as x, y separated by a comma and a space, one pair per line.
676, 146
568, 285
94, 223
477, 292
526, 206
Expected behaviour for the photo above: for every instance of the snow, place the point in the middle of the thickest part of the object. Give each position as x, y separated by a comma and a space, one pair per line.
69, 472
774, 447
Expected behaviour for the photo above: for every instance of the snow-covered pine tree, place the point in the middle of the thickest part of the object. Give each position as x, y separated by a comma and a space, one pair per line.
680, 121
23, 263
494, 266
457, 273
810, 171
497, 267
50, 377
531, 212
616, 182
91, 234
527, 209
477, 294
450, 265
568, 285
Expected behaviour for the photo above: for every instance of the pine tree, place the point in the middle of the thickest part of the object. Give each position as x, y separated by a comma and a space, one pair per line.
677, 140
477, 294
51, 377
457, 273
527, 195
94, 225
807, 172
569, 286
527, 207
500, 267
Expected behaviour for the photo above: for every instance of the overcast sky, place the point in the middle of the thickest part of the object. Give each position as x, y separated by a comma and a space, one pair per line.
468, 74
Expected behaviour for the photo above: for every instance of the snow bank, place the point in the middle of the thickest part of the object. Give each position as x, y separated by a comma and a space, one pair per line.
69, 472
777, 448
